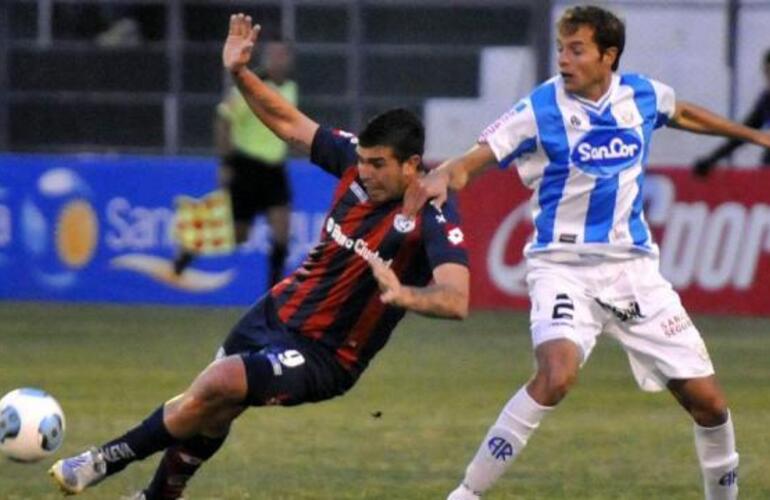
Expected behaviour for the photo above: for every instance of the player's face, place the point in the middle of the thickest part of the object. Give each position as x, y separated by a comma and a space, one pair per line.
384, 177
585, 70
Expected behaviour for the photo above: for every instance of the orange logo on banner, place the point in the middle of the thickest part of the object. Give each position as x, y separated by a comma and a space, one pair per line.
77, 233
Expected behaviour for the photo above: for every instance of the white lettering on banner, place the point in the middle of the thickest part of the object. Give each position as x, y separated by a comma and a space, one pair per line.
712, 248
721, 246
681, 242
508, 278
756, 239
138, 228
6, 231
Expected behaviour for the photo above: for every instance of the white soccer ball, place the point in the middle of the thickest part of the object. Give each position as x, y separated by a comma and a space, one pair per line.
31, 424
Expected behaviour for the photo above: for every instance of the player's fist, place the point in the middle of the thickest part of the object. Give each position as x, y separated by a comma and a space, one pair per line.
240, 42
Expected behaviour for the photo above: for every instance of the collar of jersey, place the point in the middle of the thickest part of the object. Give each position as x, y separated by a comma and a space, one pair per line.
596, 106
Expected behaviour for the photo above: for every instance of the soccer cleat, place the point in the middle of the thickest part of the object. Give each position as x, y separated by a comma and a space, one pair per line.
463, 493
75, 474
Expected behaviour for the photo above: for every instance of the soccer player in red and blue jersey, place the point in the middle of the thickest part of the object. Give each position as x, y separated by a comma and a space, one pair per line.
313, 334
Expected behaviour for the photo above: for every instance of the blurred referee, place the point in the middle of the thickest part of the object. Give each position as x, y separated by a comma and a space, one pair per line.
253, 167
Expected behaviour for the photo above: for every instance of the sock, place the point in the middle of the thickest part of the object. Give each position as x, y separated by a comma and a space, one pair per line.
178, 465
137, 444
718, 459
504, 441
277, 260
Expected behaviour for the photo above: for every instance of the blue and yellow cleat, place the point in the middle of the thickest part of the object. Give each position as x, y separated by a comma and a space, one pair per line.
75, 474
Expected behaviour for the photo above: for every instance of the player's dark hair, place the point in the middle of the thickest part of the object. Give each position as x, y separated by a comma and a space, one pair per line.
399, 129
767, 56
609, 30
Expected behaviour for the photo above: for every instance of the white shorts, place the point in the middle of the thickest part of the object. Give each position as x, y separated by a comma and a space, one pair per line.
627, 299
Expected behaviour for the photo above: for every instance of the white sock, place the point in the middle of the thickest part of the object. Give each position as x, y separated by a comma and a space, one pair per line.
504, 441
718, 459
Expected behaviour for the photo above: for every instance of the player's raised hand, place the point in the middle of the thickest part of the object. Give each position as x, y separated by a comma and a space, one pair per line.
240, 42
389, 284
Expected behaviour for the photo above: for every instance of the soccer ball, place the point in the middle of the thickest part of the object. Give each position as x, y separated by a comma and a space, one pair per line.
31, 425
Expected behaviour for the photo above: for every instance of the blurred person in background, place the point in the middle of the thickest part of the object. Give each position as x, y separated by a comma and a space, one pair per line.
253, 161
580, 141
311, 337
758, 118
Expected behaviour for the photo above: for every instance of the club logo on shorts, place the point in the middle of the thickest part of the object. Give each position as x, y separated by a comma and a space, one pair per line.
500, 448
403, 224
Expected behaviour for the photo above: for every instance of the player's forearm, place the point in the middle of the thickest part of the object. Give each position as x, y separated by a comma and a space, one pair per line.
437, 300
696, 119
278, 114
462, 169
454, 173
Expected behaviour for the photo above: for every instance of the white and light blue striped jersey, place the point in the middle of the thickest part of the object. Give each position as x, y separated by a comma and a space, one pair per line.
585, 162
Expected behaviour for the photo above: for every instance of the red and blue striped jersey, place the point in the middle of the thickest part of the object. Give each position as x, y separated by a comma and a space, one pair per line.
333, 297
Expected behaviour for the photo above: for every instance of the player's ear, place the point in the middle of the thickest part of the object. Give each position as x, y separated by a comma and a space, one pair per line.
412, 165
610, 55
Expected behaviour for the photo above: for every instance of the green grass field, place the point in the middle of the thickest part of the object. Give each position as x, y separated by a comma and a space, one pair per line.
438, 385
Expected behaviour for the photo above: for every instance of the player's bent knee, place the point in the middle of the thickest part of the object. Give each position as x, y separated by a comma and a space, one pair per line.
711, 411
222, 383
551, 384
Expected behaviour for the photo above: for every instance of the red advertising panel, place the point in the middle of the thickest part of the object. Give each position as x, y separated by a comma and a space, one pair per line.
714, 238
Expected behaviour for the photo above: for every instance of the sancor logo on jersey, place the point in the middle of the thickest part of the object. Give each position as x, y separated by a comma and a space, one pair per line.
604, 153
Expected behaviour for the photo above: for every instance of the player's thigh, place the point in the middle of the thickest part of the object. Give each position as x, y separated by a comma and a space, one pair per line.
560, 307
662, 343
290, 375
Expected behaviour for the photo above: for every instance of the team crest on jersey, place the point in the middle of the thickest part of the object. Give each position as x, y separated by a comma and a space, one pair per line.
604, 153
403, 224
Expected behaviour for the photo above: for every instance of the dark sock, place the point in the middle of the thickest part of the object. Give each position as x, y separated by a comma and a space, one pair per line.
181, 262
178, 465
137, 444
277, 260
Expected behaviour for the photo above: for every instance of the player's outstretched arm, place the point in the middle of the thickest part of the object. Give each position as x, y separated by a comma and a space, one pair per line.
446, 297
452, 174
282, 117
693, 118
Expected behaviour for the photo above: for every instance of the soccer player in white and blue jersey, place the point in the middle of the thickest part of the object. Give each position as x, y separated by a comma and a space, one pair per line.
580, 142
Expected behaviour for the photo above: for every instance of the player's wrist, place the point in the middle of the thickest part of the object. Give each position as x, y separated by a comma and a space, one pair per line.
236, 71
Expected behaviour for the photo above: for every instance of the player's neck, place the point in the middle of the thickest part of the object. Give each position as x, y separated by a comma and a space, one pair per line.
597, 90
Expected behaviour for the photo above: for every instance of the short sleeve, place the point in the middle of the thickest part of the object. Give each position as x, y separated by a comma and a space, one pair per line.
333, 150
665, 99
513, 134
442, 235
